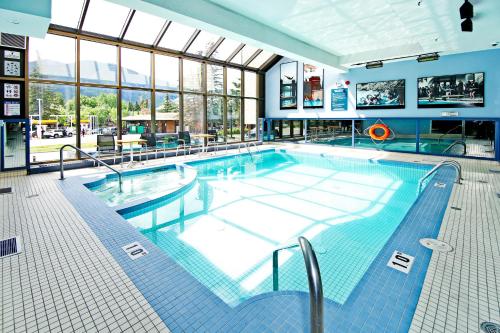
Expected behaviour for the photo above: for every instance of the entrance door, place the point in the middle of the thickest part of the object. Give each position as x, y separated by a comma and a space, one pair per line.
14, 136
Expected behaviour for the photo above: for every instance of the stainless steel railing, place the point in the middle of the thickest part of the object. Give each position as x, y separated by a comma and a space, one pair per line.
61, 163
458, 142
314, 281
452, 163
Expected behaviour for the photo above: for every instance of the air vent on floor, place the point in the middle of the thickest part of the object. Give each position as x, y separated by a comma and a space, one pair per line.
10, 246
5, 190
12, 40
490, 327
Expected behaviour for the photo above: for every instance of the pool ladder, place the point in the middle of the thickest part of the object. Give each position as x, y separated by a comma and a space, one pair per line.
458, 142
247, 146
441, 164
314, 280
61, 164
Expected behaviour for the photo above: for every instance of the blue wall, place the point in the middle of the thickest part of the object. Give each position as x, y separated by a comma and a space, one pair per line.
482, 61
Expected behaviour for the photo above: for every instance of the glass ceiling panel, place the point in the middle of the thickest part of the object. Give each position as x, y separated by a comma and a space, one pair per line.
203, 43
66, 12
260, 59
176, 37
144, 28
105, 18
244, 54
225, 49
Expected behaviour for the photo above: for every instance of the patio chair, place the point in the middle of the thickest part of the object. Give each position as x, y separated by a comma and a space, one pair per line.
215, 140
106, 147
152, 144
185, 143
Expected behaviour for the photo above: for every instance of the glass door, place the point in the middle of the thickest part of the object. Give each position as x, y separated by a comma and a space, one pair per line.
13, 145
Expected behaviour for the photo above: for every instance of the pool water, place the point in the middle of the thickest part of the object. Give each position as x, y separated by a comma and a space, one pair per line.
224, 229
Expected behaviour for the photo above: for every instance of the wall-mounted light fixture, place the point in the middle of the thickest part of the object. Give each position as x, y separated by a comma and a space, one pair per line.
466, 14
374, 64
428, 57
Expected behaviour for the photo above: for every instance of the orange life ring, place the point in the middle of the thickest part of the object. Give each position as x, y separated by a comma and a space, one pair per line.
382, 137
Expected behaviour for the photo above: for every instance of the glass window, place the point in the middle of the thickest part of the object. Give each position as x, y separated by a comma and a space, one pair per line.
192, 75
203, 43
52, 58
98, 63
215, 117
215, 79
66, 12
136, 112
233, 119
241, 57
136, 68
250, 84
166, 72
53, 120
250, 119
233, 82
98, 115
193, 113
105, 18
225, 49
167, 112
260, 59
402, 135
176, 36
144, 28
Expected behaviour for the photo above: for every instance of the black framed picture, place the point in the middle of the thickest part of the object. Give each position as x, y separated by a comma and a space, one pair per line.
451, 91
288, 85
12, 99
381, 95
313, 87
12, 62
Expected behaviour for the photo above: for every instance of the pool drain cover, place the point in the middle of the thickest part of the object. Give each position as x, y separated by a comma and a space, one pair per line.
440, 185
490, 327
436, 245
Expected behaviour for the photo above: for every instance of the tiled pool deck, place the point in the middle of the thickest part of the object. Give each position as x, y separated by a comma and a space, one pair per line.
66, 279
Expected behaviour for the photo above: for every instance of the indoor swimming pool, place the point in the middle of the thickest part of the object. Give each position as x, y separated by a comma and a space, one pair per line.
224, 227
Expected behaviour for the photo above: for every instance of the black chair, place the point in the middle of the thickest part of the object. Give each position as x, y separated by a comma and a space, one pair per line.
152, 144
106, 147
215, 140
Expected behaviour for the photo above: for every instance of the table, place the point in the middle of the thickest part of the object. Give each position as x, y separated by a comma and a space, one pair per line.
131, 143
203, 136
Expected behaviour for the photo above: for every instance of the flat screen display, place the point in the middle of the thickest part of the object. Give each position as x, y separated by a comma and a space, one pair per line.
381, 95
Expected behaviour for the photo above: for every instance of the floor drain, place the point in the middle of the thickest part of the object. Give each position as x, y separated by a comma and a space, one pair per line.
436, 245
490, 327
455, 208
5, 190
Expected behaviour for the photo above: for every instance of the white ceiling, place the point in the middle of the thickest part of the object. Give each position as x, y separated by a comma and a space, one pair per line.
365, 30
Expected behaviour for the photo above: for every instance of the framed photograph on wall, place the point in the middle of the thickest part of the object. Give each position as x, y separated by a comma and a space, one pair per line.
380, 95
313, 87
288, 85
451, 91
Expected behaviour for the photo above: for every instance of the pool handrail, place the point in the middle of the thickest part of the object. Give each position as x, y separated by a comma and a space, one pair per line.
314, 280
452, 163
448, 132
61, 163
458, 142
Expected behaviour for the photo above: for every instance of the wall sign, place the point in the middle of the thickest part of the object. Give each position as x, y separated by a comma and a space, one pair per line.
135, 250
11, 62
339, 99
401, 262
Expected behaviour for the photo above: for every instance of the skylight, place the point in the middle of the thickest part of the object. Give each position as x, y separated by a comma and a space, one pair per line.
144, 28
244, 55
66, 12
225, 49
260, 59
176, 37
105, 18
203, 43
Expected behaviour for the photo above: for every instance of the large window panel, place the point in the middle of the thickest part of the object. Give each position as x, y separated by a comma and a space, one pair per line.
176, 36
98, 109
136, 68
52, 58
66, 13
52, 120
241, 57
98, 63
136, 112
105, 18
193, 113
250, 84
260, 59
167, 112
233, 119
203, 43
215, 117
166, 72
233, 82
215, 79
225, 49
250, 119
192, 75
144, 28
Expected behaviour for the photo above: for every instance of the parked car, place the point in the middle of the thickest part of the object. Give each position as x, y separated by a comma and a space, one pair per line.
57, 133
109, 130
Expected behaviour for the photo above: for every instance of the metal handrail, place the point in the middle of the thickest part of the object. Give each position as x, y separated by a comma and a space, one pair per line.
452, 163
458, 142
254, 144
448, 132
314, 281
61, 163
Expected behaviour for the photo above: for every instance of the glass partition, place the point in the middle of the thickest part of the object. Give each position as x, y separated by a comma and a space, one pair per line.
193, 80
52, 58
215, 79
13, 149
98, 63
193, 113
215, 117
136, 68
250, 119
233, 119
166, 72
402, 135
136, 112
233, 82
167, 112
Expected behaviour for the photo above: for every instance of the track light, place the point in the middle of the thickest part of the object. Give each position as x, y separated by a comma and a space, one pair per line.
466, 14
428, 57
467, 25
374, 64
